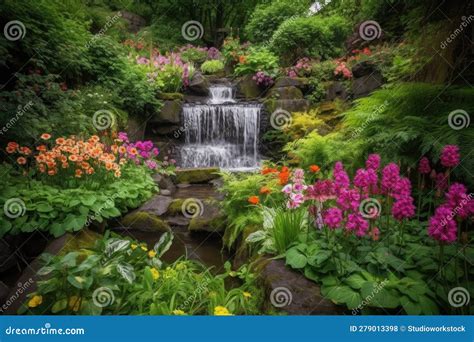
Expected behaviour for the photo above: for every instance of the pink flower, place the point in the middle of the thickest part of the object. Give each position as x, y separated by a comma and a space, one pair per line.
403, 208
356, 223
424, 166
373, 162
349, 200
441, 225
333, 218
341, 179
402, 188
441, 181
458, 199
390, 177
450, 156
365, 178
321, 191
295, 201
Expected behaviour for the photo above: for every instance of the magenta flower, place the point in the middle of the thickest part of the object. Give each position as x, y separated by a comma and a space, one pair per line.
403, 208
341, 179
441, 181
390, 177
373, 162
321, 191
441, 226
450, 156
424, 166
357, 224
333, 218
402, 188
349, 199
295, 201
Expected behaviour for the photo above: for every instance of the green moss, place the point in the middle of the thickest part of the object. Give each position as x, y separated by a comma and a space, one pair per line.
289, 93
84, 239
145, 221
214, 225
170, 96
199, 175
175, 207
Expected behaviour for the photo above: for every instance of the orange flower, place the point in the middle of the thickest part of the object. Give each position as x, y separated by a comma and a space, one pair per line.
265, 190
78, 173
51, 172
254, 200
117, 173
122, 150
314, 168
60, 141
268, 170
242, 59
284, 175
21, 160
133, 151
45, 136
13, 144
11, 149
73, 158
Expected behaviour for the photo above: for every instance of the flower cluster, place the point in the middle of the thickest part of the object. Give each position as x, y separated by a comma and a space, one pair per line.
295, 190
301, 68
342, 69
262, 79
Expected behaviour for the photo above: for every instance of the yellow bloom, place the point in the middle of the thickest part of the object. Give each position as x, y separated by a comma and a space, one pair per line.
221, 311
133, 246
155, 273
35, 301
247, 294
151, 254
179, 312
74, 303
180, 266
144, 248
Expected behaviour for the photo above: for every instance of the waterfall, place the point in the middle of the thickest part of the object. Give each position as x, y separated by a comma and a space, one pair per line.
221, 133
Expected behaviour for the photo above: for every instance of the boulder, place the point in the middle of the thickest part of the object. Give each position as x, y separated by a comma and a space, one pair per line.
272, 105
364, 85
170, 96
136, 128
299, 295
196, 175
169, 113
336, 90
285, 81
199, 84
175, 208
362, 69
164, 183
248, 89
286, 93
157, 205
210, 219
4, 291
145, 221
242, 253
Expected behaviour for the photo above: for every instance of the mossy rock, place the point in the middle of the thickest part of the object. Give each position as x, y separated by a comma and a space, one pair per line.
145, 221
203, 224
84, 239
169, 113
247, 88
295, 105
175, 208
286, 93
197, 175
284, 81
243, 251
170, 96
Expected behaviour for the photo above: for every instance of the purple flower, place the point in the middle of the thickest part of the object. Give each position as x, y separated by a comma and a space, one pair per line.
356, 223
424, 166
373, 162
402, 188
403, 208
349, 200
295, 201
321, 191
390, 177
341, 179
441, 226
450, 156
333, 218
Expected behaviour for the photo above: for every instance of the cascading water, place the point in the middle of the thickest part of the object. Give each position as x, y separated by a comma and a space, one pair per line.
221, 133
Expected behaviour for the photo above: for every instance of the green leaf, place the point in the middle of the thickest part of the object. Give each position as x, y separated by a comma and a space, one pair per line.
344, 295
115, 246
80, 282
70, 259
58, 306
411, 308
295, 258
44, 207
428, 307
318, 258
163, 244
355, 281
378, 296
57, 229
127, 272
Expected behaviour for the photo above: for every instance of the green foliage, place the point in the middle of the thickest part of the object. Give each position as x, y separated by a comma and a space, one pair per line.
169, 79
268, 16
121, 277
212, 67
58, 210
315, 36
302, 124
194, 55
258, 59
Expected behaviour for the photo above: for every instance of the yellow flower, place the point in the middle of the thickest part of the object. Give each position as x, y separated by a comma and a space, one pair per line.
180, 266
179, 312
151, 254
247, 294
221, 311
133, 246
169, 273
155, 273
144, 248
35, 301
74, 303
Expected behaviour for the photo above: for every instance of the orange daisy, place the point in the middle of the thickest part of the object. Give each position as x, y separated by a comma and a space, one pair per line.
45, 136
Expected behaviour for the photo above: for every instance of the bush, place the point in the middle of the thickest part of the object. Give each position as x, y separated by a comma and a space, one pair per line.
132, 280
193, 54
267, 17
315, 36
257, 59
212, 67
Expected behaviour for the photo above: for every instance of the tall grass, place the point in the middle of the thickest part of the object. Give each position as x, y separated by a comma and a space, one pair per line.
287, 225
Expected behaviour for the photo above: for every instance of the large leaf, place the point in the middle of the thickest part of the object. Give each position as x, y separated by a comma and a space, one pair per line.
355, 281
127, 272
344, 295
377, 295
115, 245
295, 258
163, 244
80, 282
410, 307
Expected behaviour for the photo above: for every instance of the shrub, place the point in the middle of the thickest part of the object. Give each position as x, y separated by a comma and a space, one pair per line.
315, 36
267, 17
257, 59
122, 277
193, 54
212, 67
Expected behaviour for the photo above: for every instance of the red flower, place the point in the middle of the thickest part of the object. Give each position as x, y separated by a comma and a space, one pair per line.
314, 168
265, 190
254, 200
